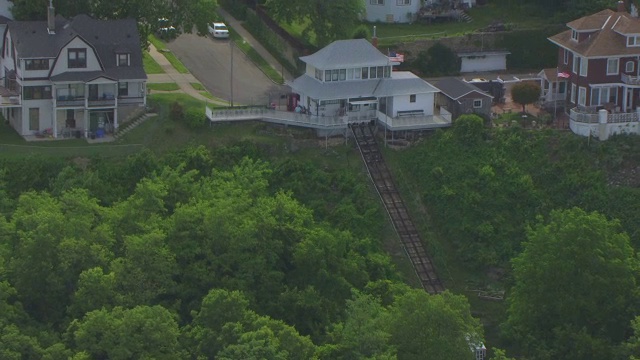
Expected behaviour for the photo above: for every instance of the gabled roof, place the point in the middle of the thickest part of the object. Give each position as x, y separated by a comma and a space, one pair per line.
591, 22
607, 38
456, 88
346, 53
108, 37
400, 83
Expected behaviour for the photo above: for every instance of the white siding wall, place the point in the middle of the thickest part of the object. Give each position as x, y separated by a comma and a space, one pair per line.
391, 9
7, 62
423, 102
46, 115
24, 73
311, 71
486, 63
92, 60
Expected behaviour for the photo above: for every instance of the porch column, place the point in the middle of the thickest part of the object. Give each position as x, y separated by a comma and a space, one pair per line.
55, 122
624, 99
115, 120
86, 123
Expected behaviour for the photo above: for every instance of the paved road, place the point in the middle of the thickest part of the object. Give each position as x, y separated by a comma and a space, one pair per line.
209, 60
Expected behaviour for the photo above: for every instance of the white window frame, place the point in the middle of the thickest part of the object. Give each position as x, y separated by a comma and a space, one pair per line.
574, 35
613, 69
630, 66
403, 2
584, 66
412, 98
576, 64
633, 41
582, 96
477, 103
573, 93
566, 56
377, 2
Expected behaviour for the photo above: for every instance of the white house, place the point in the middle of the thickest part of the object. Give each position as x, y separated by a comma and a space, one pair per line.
67, 78
481, 61
354, 80
392, 11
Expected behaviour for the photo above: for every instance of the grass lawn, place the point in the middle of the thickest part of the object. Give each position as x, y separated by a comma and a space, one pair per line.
256, 58
198, 86
162, 48
150, 65
163, 86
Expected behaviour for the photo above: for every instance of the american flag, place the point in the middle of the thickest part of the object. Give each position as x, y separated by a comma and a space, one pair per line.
564, 75
395, 57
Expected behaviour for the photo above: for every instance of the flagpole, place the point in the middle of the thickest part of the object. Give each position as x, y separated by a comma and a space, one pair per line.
555, 101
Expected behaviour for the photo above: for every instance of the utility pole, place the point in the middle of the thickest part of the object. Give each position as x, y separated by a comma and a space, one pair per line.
231, 73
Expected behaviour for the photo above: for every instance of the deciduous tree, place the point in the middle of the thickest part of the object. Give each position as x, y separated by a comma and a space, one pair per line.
525, 93
575, 286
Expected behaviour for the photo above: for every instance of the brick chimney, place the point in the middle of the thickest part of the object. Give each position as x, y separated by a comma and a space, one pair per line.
51, 18
374, 38
622, 6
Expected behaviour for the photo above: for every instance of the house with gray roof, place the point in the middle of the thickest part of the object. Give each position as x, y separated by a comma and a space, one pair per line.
71, 78
354, 81
461, 97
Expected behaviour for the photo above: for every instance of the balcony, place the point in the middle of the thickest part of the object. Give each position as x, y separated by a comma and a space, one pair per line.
69, 101
9, 98
126, 100
630, 80
105, 100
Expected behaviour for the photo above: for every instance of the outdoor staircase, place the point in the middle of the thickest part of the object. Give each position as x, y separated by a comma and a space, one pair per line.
132, 124
465, 17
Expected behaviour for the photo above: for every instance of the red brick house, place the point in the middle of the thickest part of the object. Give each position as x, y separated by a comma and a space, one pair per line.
598, 69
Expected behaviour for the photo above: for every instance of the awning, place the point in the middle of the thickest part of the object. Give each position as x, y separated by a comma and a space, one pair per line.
363, 100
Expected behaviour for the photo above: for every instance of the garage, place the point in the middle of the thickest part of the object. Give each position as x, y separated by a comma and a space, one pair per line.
482, 61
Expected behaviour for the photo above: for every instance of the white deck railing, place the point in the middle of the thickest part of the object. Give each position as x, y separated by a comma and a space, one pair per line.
442, 119
590, 118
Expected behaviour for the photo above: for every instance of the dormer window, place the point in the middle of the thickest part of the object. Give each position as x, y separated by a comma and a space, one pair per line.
574, 35
122, 59
36, 64
633, 41
77, 58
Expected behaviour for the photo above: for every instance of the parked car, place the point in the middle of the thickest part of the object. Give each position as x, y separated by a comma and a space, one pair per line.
218, 30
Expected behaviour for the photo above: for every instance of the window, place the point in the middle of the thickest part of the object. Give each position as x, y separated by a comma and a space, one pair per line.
576, 63
633, 41
36, 64
574, 35
403, 2
573, 93
582, 96
334, 75
319, 74
566, 56
357, 72
377, 2
562, 87
387, 71
629, 66
123, 60
34, 119
349, 74
37, 92
583, 66
612, 66
477, 103
365, 73
412, 98
123, 89
77, 58
603, 95
373, 73
343, 75
327, 75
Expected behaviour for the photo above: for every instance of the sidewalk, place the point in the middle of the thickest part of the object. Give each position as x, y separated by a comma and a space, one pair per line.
237, 26
173, 76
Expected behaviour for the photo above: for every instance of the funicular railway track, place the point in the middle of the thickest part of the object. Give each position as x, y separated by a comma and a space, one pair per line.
404, 226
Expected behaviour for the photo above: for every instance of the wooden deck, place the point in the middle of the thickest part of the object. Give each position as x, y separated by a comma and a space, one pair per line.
442, 119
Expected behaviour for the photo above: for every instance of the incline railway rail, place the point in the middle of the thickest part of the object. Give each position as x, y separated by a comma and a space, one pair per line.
409, 236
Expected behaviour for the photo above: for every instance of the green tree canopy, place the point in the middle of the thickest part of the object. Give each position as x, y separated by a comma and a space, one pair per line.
575, 286
329, 20
525, 93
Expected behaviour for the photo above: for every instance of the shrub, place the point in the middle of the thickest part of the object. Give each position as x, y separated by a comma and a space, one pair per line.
195, 118
361, 32
177, 111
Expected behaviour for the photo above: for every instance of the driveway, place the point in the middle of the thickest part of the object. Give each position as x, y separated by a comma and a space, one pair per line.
209, 60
